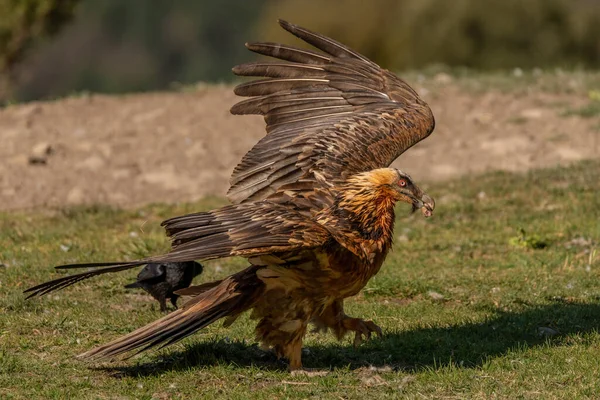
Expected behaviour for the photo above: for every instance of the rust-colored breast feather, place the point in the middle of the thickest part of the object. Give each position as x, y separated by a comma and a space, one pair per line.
329, 115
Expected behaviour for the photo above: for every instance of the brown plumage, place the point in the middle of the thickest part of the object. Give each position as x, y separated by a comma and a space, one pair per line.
303, 267
314, 202
328, 116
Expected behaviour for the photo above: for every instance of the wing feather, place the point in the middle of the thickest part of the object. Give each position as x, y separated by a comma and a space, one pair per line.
328, 115
245, 230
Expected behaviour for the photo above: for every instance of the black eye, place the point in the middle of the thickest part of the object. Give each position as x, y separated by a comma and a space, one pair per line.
402, 183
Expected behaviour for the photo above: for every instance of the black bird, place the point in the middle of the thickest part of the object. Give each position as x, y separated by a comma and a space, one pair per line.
161, 280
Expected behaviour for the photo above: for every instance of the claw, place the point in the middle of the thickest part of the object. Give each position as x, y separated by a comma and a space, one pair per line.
361, 328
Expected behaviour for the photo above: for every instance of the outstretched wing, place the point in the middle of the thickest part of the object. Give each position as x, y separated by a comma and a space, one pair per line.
246, 230
329, 115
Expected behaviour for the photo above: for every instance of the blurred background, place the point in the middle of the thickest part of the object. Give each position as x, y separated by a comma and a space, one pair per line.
53, 48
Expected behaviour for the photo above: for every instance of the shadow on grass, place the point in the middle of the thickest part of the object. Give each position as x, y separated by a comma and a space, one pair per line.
466, 345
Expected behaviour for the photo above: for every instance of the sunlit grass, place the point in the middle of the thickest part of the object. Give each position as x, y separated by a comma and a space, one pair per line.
467, 311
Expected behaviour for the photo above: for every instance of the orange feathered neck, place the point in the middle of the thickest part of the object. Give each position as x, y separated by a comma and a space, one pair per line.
368, 200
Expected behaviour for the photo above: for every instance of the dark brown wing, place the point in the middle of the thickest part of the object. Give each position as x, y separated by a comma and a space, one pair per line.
246, 230
329, 115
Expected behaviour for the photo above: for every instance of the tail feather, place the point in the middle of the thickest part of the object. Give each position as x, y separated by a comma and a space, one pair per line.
89, 265
133, 285
231, 297
65, 281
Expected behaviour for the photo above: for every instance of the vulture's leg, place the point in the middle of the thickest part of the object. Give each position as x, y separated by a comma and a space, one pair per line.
293, 352
334, 318
361, 328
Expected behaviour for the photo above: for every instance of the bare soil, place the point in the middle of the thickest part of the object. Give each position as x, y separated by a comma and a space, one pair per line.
180, 146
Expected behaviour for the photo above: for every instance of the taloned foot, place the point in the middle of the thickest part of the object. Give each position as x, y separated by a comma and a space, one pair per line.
361, 328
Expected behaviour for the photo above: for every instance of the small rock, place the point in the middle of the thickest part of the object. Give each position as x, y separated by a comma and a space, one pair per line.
442, 77
133, 234
385, 368
65, 247
405, 381
37, 160
435, 295
374, 380
481, 195
402, 238
579, 242
532, 113
517, 72
42, 149
93, 163
545, 331
39, 153
8, 192
75, 196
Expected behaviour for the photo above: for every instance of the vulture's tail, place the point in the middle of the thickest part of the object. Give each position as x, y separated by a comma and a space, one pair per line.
229, 298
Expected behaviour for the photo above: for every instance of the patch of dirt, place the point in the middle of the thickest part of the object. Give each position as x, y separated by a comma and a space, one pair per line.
176, 147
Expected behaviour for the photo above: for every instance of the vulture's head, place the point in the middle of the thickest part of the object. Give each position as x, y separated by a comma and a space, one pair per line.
399, 186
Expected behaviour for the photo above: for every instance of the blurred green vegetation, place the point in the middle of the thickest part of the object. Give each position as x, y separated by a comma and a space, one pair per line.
491, 34
122, 46
21, 23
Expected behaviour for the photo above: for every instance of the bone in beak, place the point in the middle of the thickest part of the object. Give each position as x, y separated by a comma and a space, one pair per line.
428, 206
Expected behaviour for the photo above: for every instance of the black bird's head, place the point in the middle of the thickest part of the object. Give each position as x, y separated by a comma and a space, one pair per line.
197, 268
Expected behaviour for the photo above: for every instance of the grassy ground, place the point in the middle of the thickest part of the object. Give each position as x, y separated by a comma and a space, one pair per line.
517, 81
496, 296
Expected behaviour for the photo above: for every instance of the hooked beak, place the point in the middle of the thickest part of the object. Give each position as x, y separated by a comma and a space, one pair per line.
426, 204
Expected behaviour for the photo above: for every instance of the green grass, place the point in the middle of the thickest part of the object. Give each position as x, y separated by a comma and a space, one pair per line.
468, 311
590, 110
517, 82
